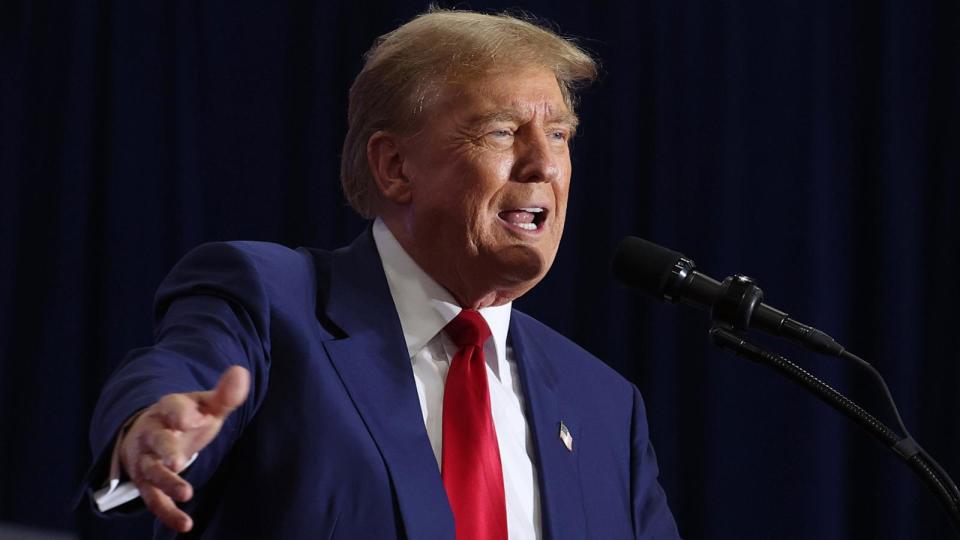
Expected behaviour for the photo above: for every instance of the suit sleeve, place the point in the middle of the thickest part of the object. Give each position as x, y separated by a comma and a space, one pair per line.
212, 312
652, 519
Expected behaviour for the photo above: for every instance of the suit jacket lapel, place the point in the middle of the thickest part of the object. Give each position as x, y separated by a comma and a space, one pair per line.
561, 497
373, 364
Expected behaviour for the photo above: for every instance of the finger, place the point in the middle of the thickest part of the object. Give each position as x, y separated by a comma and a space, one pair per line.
164, 508
155, 472
229, 394
133, 444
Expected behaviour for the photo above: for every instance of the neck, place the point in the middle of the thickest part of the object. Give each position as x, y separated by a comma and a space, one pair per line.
468, 291
492, 298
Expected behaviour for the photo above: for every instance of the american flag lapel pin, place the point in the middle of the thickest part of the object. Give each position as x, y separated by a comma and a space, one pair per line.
566, 437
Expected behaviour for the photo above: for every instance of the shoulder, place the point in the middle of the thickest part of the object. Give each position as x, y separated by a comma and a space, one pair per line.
262, 257
571, 364
256, 272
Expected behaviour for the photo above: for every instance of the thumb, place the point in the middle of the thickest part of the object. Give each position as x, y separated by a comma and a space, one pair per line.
230, 393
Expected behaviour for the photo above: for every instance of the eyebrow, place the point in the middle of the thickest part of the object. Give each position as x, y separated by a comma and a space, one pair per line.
515, 115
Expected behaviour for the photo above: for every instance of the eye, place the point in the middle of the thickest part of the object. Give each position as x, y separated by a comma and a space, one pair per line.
559, 135
500, 138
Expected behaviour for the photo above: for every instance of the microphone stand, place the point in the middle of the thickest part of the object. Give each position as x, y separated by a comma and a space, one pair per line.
935, 478
733, 304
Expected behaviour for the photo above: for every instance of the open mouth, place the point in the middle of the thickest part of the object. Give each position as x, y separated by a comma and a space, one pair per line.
530, 219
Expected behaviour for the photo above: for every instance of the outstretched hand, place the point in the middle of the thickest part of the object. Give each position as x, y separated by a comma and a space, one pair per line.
162, 439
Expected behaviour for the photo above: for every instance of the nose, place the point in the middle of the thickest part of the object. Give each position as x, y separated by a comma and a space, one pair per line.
538, 159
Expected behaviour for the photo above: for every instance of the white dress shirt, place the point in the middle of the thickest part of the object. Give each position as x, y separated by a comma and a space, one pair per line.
425, 308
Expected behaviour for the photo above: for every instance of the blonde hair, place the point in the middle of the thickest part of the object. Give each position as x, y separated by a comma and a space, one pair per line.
406, 68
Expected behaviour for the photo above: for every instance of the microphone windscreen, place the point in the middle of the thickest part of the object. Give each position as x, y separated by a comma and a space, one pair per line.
643, 265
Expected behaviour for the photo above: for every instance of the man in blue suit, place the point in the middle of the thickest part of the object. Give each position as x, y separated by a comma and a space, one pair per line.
314, 394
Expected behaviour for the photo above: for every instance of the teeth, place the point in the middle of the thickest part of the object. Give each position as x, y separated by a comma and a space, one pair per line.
527, 226
532, 210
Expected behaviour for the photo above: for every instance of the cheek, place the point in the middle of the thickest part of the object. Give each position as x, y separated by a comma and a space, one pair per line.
503, 167
483, 182
561, 191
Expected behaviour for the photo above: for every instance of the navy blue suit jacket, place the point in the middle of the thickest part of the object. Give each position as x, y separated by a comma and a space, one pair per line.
331, 441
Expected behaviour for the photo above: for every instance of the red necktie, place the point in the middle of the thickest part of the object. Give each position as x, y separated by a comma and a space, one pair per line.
471, 470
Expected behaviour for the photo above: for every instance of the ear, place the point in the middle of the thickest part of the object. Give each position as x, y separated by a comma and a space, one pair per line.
385, 159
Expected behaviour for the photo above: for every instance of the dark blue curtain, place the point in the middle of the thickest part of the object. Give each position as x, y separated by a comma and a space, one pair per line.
814, 145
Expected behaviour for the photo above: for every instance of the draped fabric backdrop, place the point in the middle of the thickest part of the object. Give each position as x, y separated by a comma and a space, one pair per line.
813, 144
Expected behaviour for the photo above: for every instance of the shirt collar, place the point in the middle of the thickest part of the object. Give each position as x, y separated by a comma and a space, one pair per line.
423, 305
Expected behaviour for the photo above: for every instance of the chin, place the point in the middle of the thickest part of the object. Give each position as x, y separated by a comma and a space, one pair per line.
522, 266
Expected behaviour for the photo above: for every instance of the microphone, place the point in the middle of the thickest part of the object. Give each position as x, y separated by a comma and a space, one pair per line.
735, 303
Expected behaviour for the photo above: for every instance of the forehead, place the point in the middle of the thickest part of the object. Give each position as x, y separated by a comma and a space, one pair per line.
522, 92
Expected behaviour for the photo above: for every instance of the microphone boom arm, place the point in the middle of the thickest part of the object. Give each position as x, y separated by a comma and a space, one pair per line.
935, 478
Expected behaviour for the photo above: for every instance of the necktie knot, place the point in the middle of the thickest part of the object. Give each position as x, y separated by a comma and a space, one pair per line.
468, 328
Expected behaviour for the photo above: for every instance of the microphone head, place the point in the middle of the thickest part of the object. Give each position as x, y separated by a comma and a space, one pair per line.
643, 265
